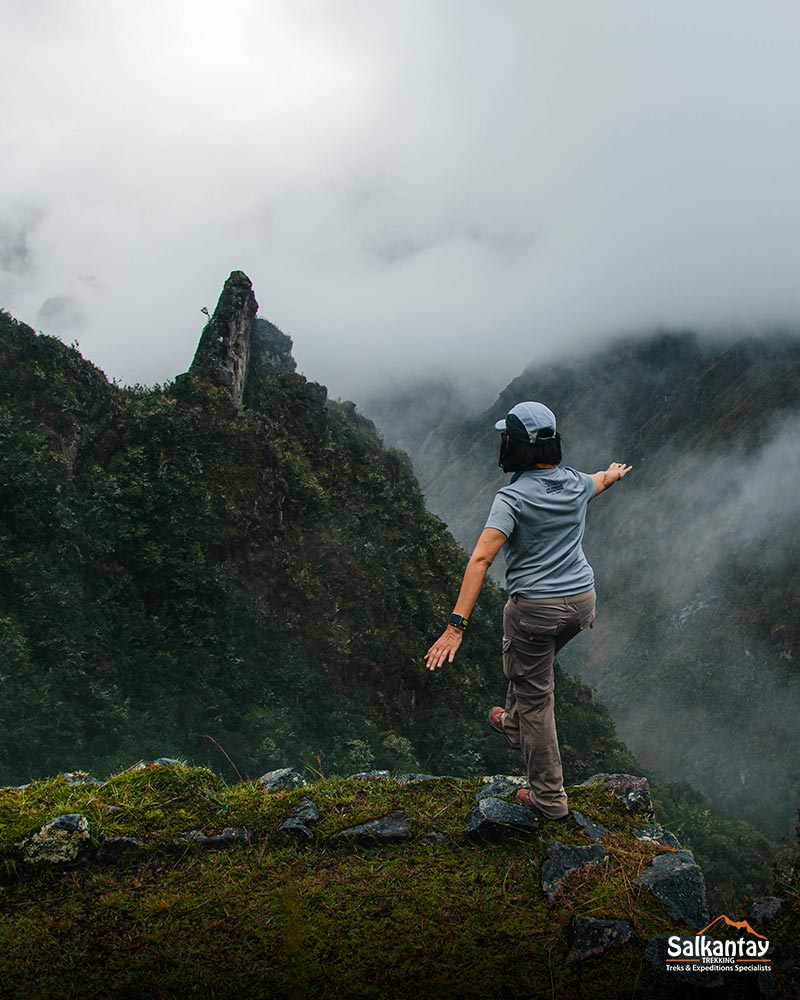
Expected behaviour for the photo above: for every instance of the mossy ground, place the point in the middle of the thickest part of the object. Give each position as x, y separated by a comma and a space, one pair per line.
276, 919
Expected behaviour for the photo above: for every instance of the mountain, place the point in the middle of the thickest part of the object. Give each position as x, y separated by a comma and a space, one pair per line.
696, 554
231, 568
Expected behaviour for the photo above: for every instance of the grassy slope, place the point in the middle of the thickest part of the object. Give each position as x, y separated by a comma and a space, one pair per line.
274, 919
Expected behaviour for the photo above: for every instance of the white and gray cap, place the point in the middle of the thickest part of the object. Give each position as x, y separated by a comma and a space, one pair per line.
529, 421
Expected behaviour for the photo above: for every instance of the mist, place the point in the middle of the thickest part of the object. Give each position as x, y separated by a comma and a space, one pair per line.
416, 188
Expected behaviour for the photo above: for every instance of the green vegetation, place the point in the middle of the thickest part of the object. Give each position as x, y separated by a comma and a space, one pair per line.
278, 919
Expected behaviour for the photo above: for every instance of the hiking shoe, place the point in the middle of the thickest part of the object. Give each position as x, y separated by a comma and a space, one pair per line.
525, 796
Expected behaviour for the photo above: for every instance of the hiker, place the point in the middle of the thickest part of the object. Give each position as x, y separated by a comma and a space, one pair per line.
541, 516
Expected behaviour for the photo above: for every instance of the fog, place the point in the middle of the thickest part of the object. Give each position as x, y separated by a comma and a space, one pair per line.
418, 187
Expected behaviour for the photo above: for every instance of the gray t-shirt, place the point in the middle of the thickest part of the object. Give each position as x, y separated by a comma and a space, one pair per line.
543, 514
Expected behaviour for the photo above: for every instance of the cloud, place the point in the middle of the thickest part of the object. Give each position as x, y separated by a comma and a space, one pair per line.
411, 187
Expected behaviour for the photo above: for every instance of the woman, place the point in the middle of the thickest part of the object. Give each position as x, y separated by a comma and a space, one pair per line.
540, 516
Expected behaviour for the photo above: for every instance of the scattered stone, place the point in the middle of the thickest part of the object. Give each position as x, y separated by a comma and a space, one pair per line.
434, 837
389, 829
561, 860
142, 765
284, 777
628, 788
655, 834
304, 815
414, 779
114, 849
764, 909
676, 881
501, 786
64, 838
230, 836
493, 818
589, 826
75, 778
371, 774
591, 936
676, 982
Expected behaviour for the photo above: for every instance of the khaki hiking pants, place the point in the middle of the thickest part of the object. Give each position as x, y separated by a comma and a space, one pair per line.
534, 630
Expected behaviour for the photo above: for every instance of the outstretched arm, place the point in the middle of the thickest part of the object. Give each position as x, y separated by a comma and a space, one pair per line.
488, 545
611, 475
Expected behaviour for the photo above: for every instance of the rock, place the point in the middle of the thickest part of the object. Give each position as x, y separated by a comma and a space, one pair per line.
64, 838
284, 777
591, 936
270, 350
143, 765
230, 836
304, 815
589, 826
676, 881
655, 834
434, 837
493, 818
767, 987
764, 909
114, 849
676, 983
628, 788
224, 350
76, 778
390, 829
562, 859
415, 779
501, 786
371, 774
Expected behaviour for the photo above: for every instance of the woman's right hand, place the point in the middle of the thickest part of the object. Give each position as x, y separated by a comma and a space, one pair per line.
618, 470
445, 647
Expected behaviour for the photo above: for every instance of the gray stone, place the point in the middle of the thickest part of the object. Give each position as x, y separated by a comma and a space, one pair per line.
501, 786
676, 983
230, 836
434, 837
675, 880
114, 849
764, 909
143, 765
591, 936
61, 839
76, 778
628, 788
362, 775
562, 859
493, 819
589, 826
390, 829
283, 777
415, 779
655, 834
304, 815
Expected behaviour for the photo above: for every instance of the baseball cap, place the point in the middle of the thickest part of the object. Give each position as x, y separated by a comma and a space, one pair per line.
528, 421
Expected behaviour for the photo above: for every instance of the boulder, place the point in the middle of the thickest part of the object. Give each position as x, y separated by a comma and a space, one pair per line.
390, 829
304, 815
501, 786
675, 880
655, 834
589, 826
61, 839
113, 849
283, 777
628, 788
76, 778
678, 984
230, 836
562, 859
371, 774
493, 819
592, 936
763, 909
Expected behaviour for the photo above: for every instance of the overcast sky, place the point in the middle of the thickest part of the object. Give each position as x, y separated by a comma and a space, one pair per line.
410, 185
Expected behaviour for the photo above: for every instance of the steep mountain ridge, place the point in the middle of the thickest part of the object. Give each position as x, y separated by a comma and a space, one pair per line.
696, 554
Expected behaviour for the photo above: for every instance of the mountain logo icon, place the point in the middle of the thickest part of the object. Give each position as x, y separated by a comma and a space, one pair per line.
739, 925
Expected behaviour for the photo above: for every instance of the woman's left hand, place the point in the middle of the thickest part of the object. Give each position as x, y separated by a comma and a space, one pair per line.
445, 647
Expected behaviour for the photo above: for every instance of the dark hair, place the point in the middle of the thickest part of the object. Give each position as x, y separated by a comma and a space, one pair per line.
519, 456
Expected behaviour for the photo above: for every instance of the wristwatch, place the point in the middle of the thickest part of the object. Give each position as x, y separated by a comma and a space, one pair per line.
458, 620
